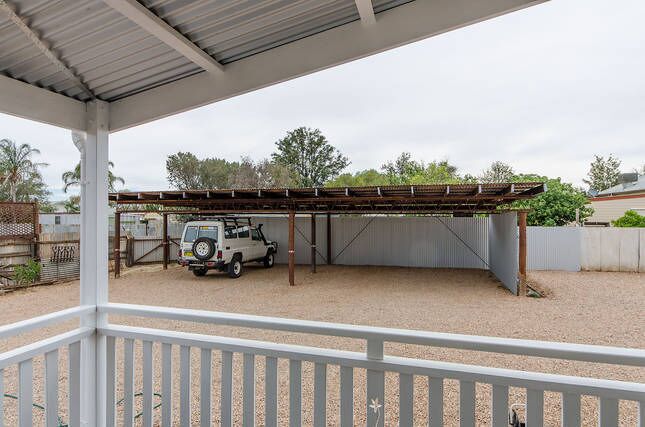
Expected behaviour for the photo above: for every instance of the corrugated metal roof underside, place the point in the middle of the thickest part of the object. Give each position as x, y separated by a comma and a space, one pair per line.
115, 58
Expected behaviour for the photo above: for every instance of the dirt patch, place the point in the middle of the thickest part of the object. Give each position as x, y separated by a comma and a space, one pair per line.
593, 308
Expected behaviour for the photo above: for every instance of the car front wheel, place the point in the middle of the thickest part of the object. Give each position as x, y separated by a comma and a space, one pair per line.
269, 260
235, 268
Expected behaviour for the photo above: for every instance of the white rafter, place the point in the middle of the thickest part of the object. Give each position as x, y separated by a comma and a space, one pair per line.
146, 19
10, 10
366, 11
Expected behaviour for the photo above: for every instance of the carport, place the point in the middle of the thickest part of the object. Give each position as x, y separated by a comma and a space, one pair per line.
456, 210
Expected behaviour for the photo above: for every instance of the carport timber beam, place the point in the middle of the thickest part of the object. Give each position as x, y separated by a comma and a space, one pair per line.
166, 247
292, 249
521, 219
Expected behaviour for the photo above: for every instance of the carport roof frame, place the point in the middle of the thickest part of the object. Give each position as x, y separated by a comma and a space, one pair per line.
435, 198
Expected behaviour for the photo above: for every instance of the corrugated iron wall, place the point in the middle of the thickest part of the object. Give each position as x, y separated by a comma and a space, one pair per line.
393, 241
503, 247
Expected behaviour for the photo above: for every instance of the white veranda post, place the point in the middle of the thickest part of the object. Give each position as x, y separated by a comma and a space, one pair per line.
94, 259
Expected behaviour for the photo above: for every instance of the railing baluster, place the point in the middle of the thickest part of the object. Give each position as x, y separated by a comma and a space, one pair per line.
110, 365
435, 402
271, 392
248, 392
74, 384
375, 386
184, 387
147, 384
25, 393
608, 416
206, 381
128, 382
226, 400
51, 388
295, 393
466, 404
166, 385
406, 400
534, 408
570, 410
500, 405
346, 396
641, 414
320, 395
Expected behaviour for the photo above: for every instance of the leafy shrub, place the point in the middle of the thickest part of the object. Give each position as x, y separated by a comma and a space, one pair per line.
28, 273
630, 219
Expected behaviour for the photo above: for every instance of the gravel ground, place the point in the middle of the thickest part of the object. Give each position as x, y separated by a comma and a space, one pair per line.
594, 308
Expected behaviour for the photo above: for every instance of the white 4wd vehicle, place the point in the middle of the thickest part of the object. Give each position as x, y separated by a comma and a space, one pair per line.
224, 244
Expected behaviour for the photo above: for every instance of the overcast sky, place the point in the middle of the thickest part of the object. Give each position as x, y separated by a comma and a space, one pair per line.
542, 89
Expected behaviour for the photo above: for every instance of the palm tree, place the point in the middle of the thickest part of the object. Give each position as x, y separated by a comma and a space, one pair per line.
16, 165
73, 178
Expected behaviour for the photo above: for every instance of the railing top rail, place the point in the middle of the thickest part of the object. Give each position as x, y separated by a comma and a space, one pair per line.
38, 348
554, 350
13, 329
513, 378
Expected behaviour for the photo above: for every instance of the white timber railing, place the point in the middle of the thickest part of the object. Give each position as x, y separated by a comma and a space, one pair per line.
49, 349
140, 393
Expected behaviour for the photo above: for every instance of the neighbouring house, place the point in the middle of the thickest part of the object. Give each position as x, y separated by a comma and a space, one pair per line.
612, 203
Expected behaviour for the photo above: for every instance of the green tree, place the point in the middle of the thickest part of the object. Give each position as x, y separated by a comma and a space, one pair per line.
183, 171
312, 159
497, 172
73, 178
555, 207
20, 174
73, 204
630, 219
364, 178
603, 173
436, 172
401, 170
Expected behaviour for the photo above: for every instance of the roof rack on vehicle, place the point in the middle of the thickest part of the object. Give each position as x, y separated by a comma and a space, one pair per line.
232, 218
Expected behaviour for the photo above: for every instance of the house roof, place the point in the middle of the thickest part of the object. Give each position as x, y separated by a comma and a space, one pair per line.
625, 188
153, 58
442, 198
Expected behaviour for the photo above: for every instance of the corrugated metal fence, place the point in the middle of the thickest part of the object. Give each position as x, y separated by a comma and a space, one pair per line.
553, 248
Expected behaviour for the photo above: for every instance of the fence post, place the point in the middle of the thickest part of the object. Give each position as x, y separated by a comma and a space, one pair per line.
117, 244
313, 242
166, 248
329, 260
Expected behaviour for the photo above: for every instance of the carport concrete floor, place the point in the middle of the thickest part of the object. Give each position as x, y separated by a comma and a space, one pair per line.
586, 307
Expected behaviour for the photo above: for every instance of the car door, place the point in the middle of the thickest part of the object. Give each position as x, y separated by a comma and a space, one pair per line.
258, 244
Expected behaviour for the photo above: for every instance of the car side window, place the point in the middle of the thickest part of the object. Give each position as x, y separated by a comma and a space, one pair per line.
243, 232
230, 232
255, 235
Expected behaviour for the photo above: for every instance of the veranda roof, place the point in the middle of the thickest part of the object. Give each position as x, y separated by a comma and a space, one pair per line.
152, 58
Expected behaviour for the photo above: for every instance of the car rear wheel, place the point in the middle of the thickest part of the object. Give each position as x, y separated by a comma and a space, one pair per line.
235, 267
269, 260
200, 272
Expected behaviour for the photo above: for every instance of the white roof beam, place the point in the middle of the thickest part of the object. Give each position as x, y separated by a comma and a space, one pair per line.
366, 11
30, 102
42, 46
146, 19
398, 26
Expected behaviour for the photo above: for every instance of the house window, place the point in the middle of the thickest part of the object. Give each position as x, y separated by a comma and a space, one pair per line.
57, 219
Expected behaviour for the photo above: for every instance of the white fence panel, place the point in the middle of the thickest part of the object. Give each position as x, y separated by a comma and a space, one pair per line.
553, 248
612, 249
